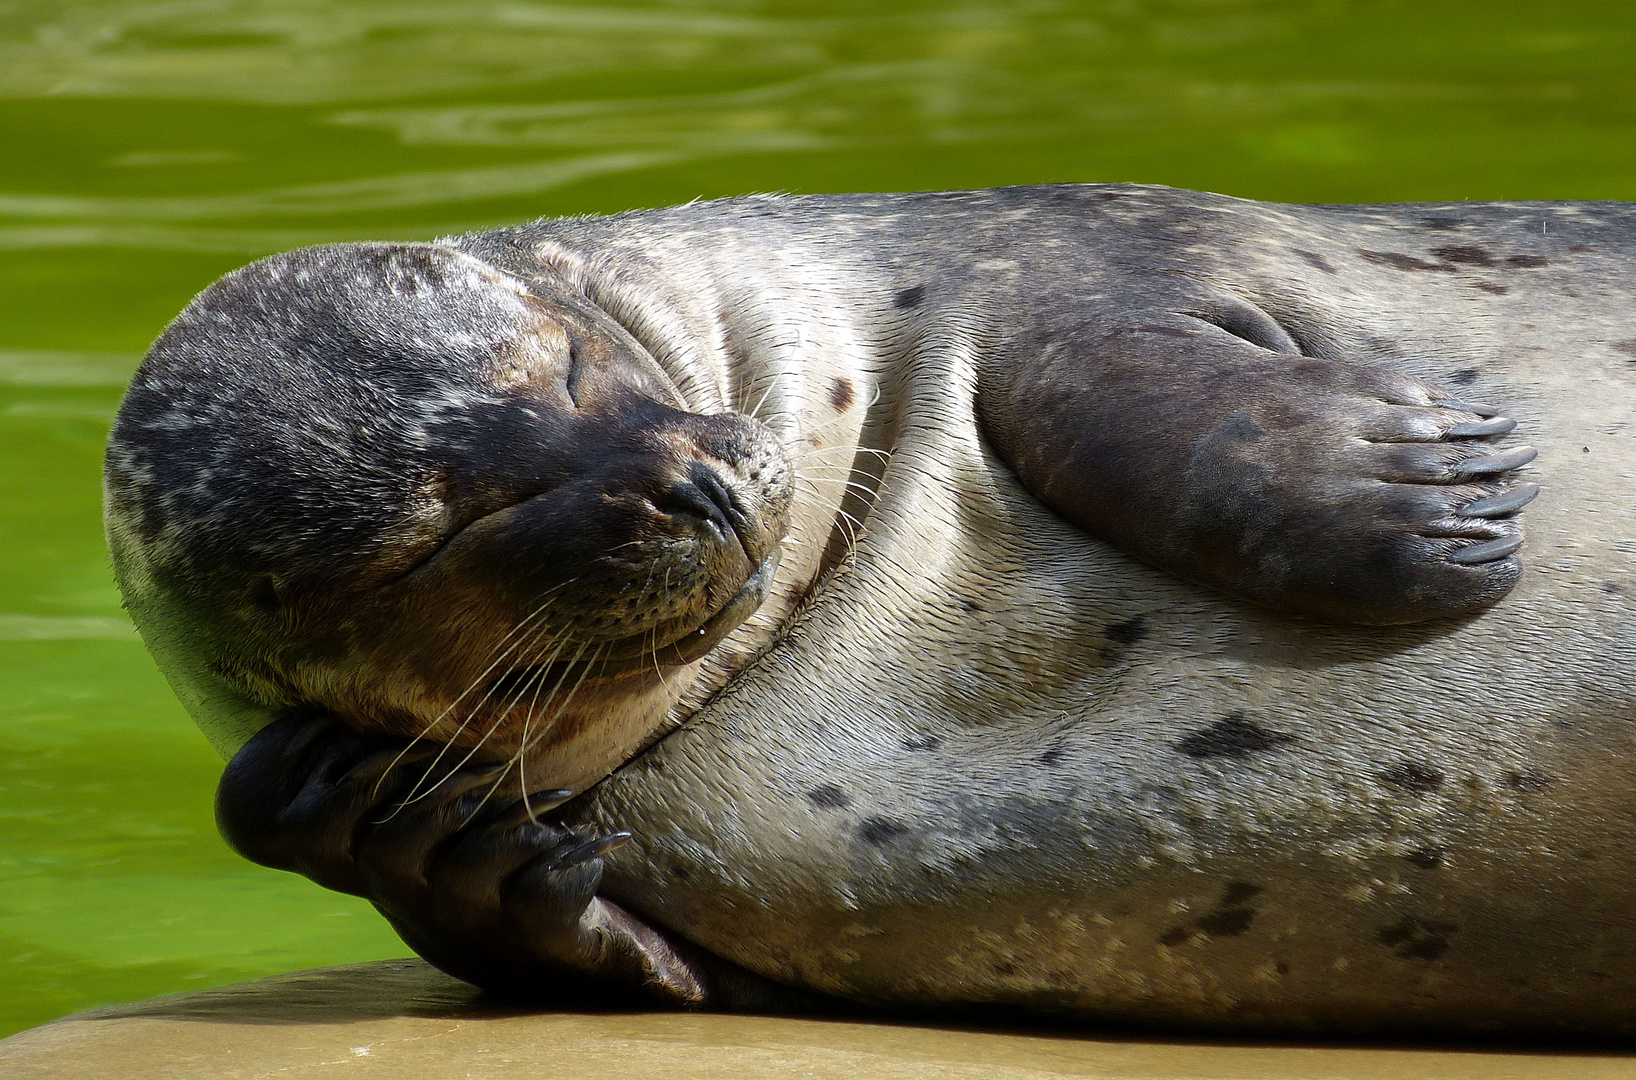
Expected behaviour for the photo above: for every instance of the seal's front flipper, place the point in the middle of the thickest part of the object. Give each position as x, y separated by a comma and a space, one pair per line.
478, 885
1200, 440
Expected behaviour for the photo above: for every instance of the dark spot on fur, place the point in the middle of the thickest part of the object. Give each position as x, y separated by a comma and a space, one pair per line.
1005, 968
840, 394
1232, 736
1399, 261
1127, 631
1425, 949
1527, 780
1317, 261
1612, 588
1626, 346
829, 797
1491, 287
1581, 248
1426, 858
1465, 254
1231, 917
922, 742
650, 763
1281, 967
1050, 757
970, 605
1440, 224
910, 297
1464, 377
1167, 331
1417, 939
680, 873
1527, 262
1228, 922
881, 831
1412, 776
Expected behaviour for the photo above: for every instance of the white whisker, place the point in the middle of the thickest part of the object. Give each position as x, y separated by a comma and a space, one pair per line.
545, 602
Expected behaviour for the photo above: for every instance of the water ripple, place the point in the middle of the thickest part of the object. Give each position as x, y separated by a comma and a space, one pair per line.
401, 191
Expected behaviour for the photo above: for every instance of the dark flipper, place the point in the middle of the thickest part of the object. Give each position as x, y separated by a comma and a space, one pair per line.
475, 884
1196, 437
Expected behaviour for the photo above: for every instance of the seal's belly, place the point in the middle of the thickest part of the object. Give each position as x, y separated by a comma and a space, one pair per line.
1000, 762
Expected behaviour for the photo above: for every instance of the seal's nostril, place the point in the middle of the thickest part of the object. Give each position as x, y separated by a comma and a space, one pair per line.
706, 495
710, 482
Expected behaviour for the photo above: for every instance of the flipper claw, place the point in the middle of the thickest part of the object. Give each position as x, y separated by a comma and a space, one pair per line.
1496, 463
1502, 503
1488, 551
526, 809
591, 849
1499, 425
1467, 406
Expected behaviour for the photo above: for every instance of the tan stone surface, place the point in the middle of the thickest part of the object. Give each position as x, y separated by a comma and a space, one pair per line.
401, 1019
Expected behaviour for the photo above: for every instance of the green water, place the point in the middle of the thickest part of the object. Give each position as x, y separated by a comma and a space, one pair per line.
146, 148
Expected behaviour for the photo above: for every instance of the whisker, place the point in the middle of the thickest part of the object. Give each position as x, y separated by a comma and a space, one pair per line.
654, 640
868, 492
545, 602
535, 679
518, 756
528, 722
812, 452
842, 517
772, 381
585, 671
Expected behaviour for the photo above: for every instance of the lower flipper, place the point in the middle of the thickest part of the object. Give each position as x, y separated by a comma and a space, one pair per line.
474, 882
1340, 491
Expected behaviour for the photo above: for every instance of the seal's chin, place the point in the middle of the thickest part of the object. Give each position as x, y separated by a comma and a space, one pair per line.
641, 653
751, 595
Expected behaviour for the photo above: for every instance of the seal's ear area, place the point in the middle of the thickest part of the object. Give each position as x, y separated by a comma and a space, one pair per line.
1191, 432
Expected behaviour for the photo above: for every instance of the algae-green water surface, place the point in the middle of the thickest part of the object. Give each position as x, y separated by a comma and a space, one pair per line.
147, 147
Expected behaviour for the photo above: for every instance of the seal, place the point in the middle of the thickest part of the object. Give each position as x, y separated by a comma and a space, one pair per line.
1074, 599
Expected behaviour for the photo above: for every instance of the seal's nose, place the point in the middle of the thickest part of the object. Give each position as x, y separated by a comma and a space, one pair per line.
705, 494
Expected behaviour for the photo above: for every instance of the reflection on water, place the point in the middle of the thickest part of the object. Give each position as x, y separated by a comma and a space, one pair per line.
148, 147
246, 120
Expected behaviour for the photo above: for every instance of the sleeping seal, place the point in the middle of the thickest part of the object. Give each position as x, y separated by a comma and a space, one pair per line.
1077, 599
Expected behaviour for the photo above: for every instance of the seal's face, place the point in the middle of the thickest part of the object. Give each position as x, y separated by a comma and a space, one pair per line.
393, 483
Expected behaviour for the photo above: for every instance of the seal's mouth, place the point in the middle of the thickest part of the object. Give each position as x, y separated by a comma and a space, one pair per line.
642, 653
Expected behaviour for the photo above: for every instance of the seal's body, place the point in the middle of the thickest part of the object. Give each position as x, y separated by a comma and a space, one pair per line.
968, 752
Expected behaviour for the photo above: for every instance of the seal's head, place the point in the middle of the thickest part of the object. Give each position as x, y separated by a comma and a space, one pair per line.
392, 482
